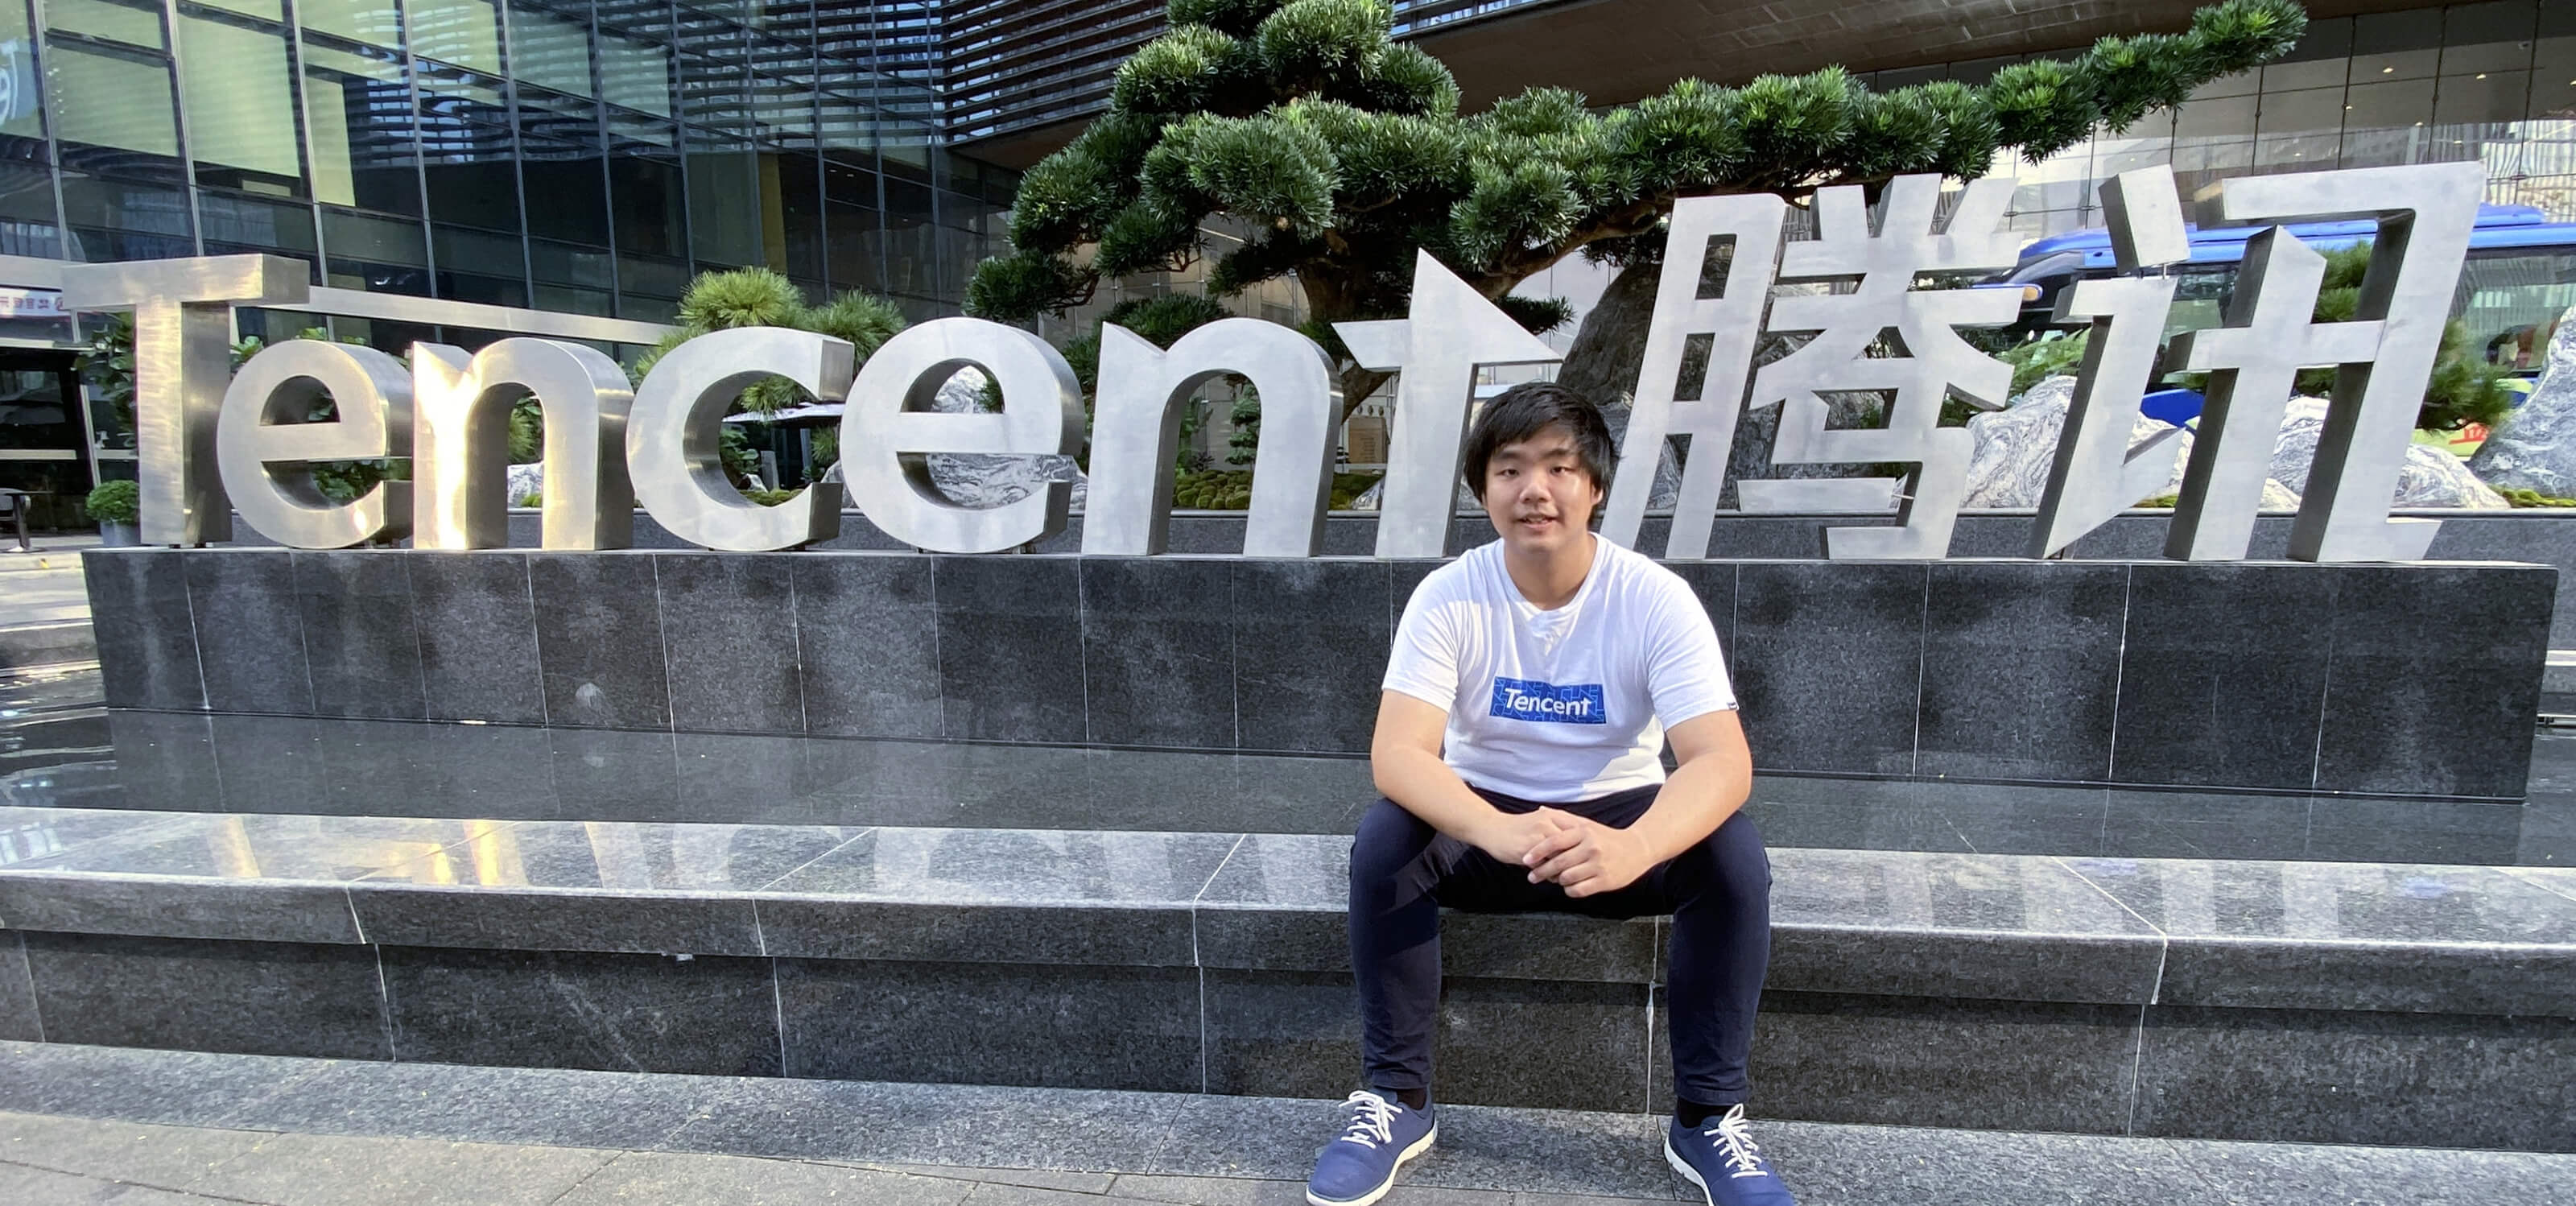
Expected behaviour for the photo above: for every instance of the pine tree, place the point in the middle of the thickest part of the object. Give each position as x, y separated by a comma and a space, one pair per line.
1343, 151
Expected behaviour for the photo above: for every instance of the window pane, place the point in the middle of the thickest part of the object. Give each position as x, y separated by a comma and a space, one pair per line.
2482, 98
478, 267
26, 185
373, 22
123, 220
464, 32
270, 10
559, 161
467, 159
550, 51
799, 190
565, 264
106, 101
241, 108
646, 204
2300, 128
360, 138
849, 124
137, 25
635, 74
724, 200
235, 224
383, 255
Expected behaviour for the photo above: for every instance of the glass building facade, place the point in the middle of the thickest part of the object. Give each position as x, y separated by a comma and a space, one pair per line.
556, 154
2493, 84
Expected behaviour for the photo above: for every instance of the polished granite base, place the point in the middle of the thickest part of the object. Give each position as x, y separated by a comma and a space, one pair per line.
2259, 676
58, 747
2236, 999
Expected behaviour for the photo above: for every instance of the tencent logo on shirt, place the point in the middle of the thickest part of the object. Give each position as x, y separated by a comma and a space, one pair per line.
1529, 699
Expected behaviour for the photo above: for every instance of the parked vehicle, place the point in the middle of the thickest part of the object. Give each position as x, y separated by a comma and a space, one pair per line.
2520, 276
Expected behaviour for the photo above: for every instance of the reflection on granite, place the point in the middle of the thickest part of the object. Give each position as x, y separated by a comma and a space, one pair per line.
312, 848
975, 895
1953, 925
147, 647
2295, 1075
28, 834
1912, 1061
1070, 1027
163, 760
2352, 935
355, 767
594, 886
996, 866
18, 1022
557, 1009
258, 998
636, 857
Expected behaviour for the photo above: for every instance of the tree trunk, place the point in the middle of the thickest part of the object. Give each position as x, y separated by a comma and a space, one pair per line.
1611, 346
1357, 384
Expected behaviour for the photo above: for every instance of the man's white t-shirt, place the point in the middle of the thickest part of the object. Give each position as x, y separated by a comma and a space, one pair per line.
1564, 705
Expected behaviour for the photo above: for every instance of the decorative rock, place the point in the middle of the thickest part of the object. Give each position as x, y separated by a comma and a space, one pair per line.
2058, 391
1668, 468
2016, 445
987, 480
2535, 447
526, 480
2431, 477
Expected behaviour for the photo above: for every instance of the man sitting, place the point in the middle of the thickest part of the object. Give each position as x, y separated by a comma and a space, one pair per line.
1533, 684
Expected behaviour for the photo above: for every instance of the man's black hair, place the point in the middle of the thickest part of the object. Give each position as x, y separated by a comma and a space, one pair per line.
1525, 410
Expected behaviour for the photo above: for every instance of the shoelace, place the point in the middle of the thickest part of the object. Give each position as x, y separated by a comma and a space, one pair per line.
1373, 1123
1736, 1140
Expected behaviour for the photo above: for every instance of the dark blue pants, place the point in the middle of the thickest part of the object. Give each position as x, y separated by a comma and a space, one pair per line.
1718, 893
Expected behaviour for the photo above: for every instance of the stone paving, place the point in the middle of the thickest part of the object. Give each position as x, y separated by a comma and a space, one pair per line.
91, 1125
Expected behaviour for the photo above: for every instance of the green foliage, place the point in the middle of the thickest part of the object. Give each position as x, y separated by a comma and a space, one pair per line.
741, 460
744, 297
2516, 495
106, 365
2035, 362
769, 498
2463, 388
822, 451
527, 431
1343, 151
1537, 315
115, 501
758, 297
1231, 489
1244, 441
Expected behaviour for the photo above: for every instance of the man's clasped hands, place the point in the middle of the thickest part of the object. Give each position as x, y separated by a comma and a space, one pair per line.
1582, 855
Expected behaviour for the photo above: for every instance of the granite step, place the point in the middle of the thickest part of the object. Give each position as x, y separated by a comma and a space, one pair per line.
2168, 998
239, 763
274, 1128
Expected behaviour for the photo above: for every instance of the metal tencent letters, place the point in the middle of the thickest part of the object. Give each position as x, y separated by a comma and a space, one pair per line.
207, 452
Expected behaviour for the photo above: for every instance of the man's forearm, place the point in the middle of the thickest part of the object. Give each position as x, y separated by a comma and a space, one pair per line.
1697, 798
1426, 787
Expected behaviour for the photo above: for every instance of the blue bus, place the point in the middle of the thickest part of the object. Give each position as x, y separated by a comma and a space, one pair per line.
2520, 276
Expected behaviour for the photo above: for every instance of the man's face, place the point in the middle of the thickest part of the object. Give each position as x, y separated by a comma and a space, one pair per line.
1538, 494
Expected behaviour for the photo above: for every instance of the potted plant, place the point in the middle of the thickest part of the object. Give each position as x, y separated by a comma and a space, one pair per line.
115, 505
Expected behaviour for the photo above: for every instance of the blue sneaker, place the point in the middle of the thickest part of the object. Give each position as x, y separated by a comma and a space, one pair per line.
1721, 1159
1359, 1167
